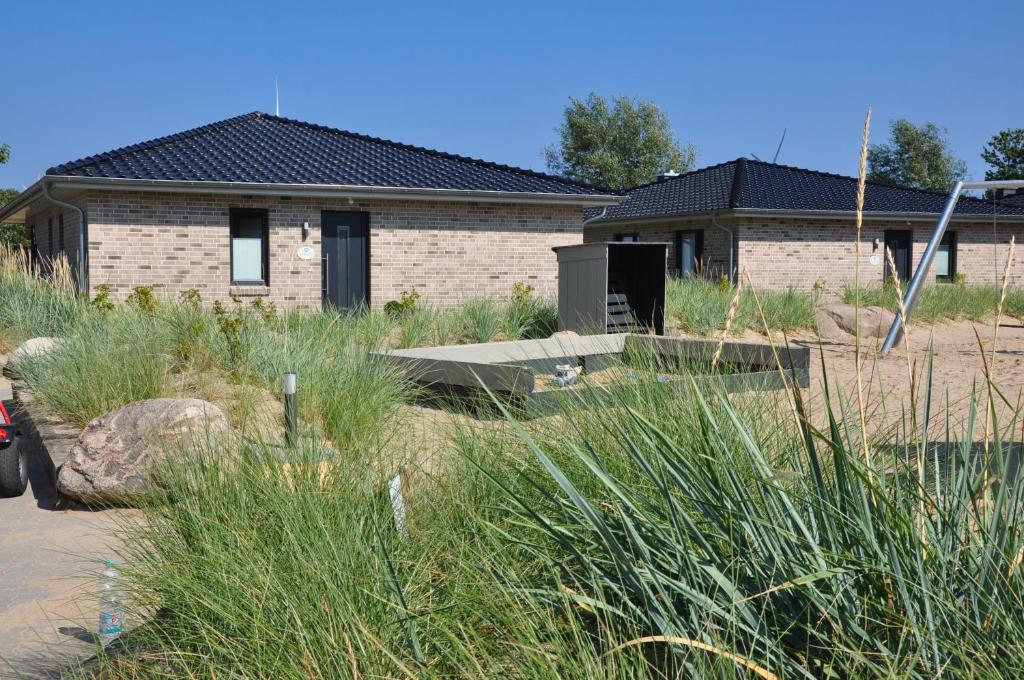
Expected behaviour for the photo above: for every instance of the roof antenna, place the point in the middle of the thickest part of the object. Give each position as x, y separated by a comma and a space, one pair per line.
277, 98
776, 156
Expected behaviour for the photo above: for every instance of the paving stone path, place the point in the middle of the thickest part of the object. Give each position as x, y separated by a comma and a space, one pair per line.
49, 562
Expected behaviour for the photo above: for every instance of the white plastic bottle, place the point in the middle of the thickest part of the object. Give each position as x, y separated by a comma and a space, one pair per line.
111, 606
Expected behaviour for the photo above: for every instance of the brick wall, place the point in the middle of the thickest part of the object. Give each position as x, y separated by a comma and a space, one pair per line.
779, 253
447, 251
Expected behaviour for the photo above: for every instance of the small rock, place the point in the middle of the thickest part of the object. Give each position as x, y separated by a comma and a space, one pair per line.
874, 321
30, 348
113, 457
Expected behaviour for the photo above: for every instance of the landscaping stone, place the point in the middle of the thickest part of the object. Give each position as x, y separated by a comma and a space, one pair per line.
874, 321
30, 348
115, 453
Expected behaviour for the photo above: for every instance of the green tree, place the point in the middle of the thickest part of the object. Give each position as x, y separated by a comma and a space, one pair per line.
10, 233
617, 144
1005, 154
915, 156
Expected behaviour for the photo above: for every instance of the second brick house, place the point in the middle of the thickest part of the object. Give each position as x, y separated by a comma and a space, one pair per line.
302, 215
787, 227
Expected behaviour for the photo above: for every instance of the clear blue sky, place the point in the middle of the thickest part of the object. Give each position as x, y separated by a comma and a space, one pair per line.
491, 79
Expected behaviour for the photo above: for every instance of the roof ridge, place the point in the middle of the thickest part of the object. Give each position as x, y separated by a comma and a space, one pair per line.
666, 180
738, 175
874, 182
435, 152
150, 143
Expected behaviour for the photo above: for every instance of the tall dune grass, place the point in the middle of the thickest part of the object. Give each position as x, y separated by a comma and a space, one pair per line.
641, 533
35, 303
701, 307
944, 302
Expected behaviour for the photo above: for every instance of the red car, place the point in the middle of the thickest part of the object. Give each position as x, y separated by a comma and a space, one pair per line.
13, 461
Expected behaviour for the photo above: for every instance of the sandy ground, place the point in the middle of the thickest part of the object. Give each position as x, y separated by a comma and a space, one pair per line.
960, 352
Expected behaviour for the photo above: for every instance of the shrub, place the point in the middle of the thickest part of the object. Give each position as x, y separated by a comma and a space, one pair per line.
101, 301
191, 298
405, 305
143, 298
522, 292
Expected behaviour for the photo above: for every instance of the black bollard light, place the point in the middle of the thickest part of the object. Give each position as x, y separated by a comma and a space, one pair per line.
291, 413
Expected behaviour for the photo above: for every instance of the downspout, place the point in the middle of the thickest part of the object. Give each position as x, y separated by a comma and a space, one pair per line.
732, 244
604, 211
735, 201
83, 285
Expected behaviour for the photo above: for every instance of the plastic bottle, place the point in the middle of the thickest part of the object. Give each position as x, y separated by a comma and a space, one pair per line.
111, 606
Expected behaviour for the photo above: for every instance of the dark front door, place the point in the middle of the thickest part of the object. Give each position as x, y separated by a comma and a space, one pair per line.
345, 255
899, 243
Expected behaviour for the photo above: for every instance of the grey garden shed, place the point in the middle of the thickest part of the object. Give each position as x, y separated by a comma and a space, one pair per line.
613, 287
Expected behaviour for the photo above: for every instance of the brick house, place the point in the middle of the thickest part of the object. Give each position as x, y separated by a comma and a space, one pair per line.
302, 215
788, 227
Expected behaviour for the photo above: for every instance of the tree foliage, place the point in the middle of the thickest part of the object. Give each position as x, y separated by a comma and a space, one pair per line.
10, 233
1005, 154
915, 156
618, 144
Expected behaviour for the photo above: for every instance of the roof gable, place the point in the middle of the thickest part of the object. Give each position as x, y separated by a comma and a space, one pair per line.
746, 184
264, 149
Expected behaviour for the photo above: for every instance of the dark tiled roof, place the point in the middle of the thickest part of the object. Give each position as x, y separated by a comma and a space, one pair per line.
1016, 199
261, 148
756, 185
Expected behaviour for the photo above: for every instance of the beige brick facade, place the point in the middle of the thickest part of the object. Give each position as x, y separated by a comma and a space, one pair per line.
446, 251
780, 253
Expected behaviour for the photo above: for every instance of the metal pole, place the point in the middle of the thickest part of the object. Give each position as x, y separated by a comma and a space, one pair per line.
910, 299
290, 409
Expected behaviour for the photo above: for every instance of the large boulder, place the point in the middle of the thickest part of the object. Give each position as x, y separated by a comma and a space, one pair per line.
874, 321
115, 454
30, 348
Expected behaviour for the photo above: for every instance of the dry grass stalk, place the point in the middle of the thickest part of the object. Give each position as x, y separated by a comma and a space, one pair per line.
15, 260
734, 305
990, 367
759, 671
902, 311
861, 188
61, 276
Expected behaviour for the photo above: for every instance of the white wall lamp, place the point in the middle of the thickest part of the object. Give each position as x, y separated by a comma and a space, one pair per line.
305, 230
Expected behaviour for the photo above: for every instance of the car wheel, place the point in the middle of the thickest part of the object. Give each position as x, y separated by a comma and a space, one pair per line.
13, 471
